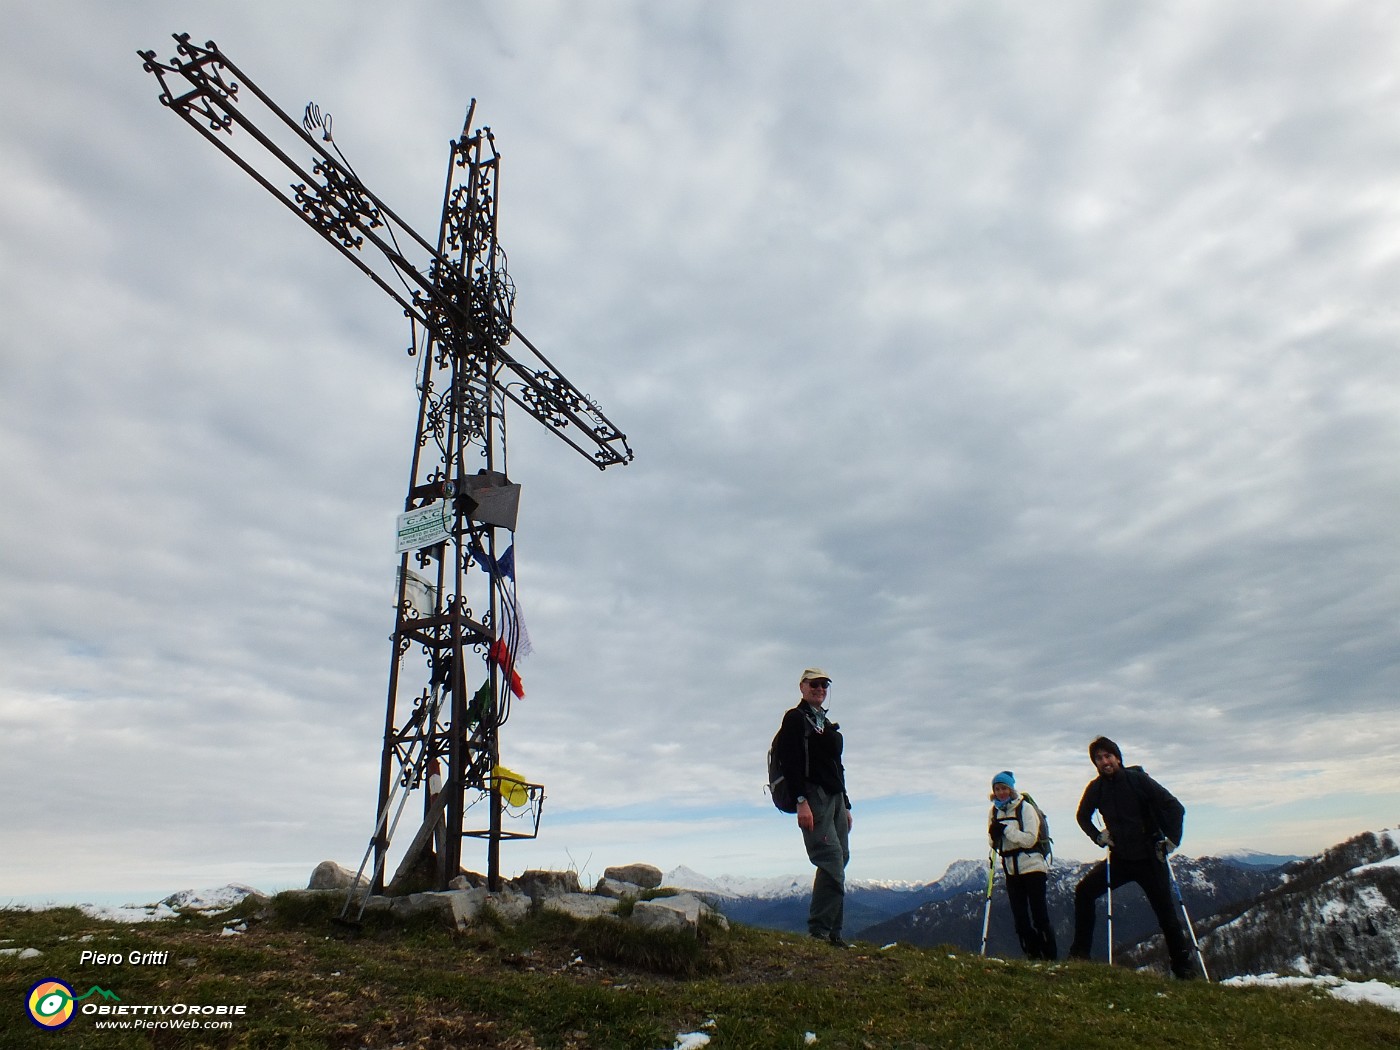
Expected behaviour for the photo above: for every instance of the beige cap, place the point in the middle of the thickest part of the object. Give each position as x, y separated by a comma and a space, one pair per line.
813, 672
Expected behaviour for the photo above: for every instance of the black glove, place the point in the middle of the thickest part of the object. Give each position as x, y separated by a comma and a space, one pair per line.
997, 830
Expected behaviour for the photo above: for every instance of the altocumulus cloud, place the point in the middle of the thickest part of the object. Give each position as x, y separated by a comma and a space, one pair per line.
1032, 372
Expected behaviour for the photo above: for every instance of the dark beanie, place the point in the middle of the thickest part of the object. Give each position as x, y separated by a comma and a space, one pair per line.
1104, 744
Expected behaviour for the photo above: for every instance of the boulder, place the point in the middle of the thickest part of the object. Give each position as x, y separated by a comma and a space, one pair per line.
617, 890
649, 915
682, 911
331, 876
580, 905
685, 904
646, 876
509, 905
456, 908
540, 885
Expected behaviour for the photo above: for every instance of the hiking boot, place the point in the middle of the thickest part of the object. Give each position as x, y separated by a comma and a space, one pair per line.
837, 942
1184, 967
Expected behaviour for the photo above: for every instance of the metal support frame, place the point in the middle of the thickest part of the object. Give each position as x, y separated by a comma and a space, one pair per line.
459, 298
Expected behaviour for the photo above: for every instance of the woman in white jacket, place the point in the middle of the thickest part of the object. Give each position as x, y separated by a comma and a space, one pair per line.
1014, 827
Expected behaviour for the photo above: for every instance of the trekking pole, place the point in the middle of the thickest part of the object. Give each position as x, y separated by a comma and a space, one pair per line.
987, 911
1108, 878
1176, 889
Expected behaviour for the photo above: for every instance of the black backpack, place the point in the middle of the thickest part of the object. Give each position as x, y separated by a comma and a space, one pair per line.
778, 787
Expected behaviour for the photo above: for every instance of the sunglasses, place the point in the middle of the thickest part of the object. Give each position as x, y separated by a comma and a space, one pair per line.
819, 683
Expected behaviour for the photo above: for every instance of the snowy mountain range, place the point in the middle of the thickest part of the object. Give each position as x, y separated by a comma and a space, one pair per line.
949, 910
1252, 912
780, 903
1336, 912
1208, 884
727, 886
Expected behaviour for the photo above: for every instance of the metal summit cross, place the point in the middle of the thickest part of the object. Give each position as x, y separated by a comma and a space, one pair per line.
458, 298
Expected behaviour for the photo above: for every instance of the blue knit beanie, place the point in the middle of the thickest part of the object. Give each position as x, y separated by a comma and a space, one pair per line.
1005, 777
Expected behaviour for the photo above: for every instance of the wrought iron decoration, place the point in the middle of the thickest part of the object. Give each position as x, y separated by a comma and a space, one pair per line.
459, 298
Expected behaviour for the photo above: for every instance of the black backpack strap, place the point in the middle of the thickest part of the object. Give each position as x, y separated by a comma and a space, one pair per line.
1014, 851
1021, 825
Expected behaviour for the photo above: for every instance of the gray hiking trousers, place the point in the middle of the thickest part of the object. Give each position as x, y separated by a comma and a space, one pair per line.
829, 848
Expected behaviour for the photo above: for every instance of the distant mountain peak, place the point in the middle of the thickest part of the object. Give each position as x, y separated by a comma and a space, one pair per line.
1253, 858
771, 888
684, 878
961, 870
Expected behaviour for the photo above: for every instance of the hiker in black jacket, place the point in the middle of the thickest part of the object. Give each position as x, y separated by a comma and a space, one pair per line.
808, 748
1142, 825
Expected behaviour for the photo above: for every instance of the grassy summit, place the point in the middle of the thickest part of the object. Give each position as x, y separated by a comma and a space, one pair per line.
552, 982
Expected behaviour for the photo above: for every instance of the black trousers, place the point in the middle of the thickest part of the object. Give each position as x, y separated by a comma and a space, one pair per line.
1150, 874
1026, 894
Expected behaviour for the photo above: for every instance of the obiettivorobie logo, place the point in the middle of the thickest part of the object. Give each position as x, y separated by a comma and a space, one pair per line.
51, 1002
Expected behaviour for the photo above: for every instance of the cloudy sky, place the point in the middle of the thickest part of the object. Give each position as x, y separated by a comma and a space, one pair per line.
1030, 368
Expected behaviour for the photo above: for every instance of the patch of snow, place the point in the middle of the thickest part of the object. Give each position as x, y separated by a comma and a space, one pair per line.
1393, 862
1333, 910
1377, 992
214, 900
691, 1041
128, 912
220, 899
1372, 899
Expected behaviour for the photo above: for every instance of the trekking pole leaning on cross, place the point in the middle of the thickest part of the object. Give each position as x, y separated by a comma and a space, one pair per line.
1181, 903
987, 911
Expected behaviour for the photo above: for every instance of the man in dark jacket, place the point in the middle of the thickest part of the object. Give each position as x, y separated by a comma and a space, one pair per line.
808, 748
1142, 825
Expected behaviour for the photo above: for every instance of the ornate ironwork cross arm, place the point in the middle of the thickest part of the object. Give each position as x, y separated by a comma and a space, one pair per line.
464, 302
